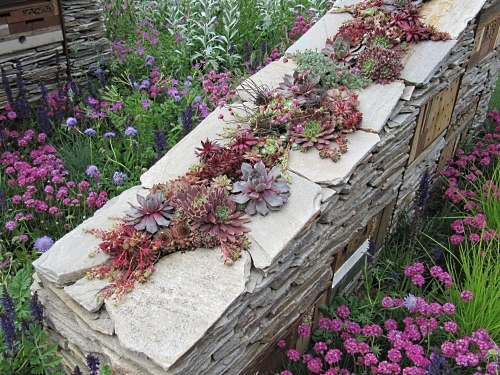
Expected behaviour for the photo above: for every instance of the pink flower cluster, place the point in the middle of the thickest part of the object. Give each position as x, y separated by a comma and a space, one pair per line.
406, 354
37, 179
216, 86
474, 228
300, 27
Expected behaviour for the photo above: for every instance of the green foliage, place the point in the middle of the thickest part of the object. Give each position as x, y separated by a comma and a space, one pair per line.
332, 74
33, 354
476, 268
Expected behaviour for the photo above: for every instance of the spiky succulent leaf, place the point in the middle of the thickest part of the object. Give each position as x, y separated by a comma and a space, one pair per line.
151, 213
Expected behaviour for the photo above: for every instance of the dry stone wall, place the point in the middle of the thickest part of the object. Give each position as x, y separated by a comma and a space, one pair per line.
33, 33
202, 317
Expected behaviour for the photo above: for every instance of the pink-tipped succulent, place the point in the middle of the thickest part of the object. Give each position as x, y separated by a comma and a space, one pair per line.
313, 128
151, 213
261, 190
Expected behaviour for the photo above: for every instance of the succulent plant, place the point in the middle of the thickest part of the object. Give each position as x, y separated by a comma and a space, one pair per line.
222, 220
313, 128
243, 141
151, 213
342, 104
302, 87
211, 210
207, 149
380, 64
260, 190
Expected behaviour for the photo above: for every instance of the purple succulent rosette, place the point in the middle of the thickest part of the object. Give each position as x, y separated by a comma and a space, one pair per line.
261, 191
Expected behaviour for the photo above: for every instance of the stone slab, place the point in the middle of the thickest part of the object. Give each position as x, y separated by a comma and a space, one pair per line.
327, 172
31, 41
85, 292
458, 14
190, 292
178, 160
377, 102
315, 37
419, 70
271, 234
68, 259
270, 76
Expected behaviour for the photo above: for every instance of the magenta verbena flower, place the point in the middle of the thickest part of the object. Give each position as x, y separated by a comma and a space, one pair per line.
43, 244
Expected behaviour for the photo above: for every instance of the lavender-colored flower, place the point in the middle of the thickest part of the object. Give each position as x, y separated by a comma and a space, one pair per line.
145, 84
43, 244
93, 364
7, 322
146, 103
70, 121
130, 131
43, 120
101, 75
411, 302
149, 61
3, 201
36, 309
119, 177
187, 120
92, 171
89, 131
423, 190
109, 135
197, 99
160, 142
10, 225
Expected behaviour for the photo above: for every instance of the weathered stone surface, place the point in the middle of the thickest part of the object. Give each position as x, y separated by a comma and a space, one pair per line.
68, 259
178, 160
271, 234
315, 37
377, 102
325, 171
165, 319
270, 76
418, 70
85, 292
457, 14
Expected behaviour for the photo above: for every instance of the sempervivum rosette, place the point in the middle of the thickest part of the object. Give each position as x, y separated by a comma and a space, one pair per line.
260, 190
151, 213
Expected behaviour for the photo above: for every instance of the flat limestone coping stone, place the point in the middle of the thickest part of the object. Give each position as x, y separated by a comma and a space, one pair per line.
271, 76
423, 59
68, 259
458, 14
315, 37
178, 160
270, 235
376, 103
191, 291
325, 171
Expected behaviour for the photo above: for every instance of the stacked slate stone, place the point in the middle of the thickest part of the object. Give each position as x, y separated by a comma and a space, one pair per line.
202, 317
38, 63
85, 38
